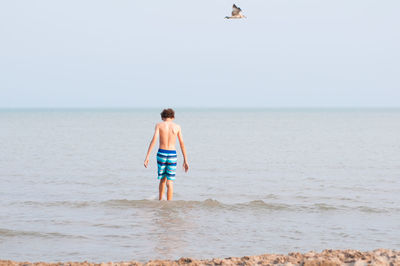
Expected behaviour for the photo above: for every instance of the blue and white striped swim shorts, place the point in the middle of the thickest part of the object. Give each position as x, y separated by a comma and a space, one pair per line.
166, 161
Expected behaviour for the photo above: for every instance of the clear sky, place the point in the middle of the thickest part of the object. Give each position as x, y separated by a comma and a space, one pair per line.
180, 53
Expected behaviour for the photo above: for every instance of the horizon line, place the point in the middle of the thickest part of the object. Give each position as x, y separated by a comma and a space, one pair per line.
207, 108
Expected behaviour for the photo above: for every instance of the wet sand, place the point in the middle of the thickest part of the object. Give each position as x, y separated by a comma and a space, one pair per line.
325, 258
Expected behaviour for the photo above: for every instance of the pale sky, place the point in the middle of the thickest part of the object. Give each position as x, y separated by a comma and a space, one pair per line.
180, 53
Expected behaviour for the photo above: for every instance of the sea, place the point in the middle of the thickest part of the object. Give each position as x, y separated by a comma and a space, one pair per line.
73, 186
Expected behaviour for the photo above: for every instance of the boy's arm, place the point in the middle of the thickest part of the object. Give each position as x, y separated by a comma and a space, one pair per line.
151, 146
182, 144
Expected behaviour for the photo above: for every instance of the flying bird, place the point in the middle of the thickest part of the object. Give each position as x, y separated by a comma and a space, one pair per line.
236, 13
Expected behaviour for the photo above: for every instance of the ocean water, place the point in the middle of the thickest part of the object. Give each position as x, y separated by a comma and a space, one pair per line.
73, 185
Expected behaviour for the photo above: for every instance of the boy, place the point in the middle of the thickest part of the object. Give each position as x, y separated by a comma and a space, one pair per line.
166, 155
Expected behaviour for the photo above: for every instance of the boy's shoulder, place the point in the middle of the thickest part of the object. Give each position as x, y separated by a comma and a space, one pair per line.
159, 124
176, 125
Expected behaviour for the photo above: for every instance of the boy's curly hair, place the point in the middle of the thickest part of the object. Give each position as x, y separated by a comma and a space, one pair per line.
168, 113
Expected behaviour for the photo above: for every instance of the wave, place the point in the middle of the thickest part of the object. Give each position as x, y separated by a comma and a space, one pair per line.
15, 233
208, 204
58, 203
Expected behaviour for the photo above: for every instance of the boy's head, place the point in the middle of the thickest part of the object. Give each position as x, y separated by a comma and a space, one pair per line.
167, 113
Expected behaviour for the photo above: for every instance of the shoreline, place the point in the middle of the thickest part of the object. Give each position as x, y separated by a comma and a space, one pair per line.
327, 257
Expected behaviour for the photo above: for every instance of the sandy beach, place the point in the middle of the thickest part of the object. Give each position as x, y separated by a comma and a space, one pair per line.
325, 258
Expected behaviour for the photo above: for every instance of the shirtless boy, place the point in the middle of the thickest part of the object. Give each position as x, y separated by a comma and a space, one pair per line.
166, 155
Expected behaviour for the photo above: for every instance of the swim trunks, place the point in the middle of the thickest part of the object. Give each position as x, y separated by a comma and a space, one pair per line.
166, 161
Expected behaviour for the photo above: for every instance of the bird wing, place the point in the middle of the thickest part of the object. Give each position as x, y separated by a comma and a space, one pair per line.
235, 10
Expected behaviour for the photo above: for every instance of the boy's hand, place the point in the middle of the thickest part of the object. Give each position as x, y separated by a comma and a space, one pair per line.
185, 166
146, 162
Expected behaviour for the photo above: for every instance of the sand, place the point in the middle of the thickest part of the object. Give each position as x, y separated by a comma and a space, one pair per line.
325, 258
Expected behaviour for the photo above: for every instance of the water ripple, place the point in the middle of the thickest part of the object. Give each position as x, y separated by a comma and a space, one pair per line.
208, 204
15, 233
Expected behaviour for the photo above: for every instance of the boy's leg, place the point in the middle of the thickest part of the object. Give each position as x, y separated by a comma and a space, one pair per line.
170, 173
161, 167
161, 188
170, 191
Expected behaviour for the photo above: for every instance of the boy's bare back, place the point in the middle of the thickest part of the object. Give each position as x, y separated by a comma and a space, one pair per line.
168, 132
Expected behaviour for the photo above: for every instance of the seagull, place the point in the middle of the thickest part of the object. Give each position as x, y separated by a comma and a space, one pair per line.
236, 13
